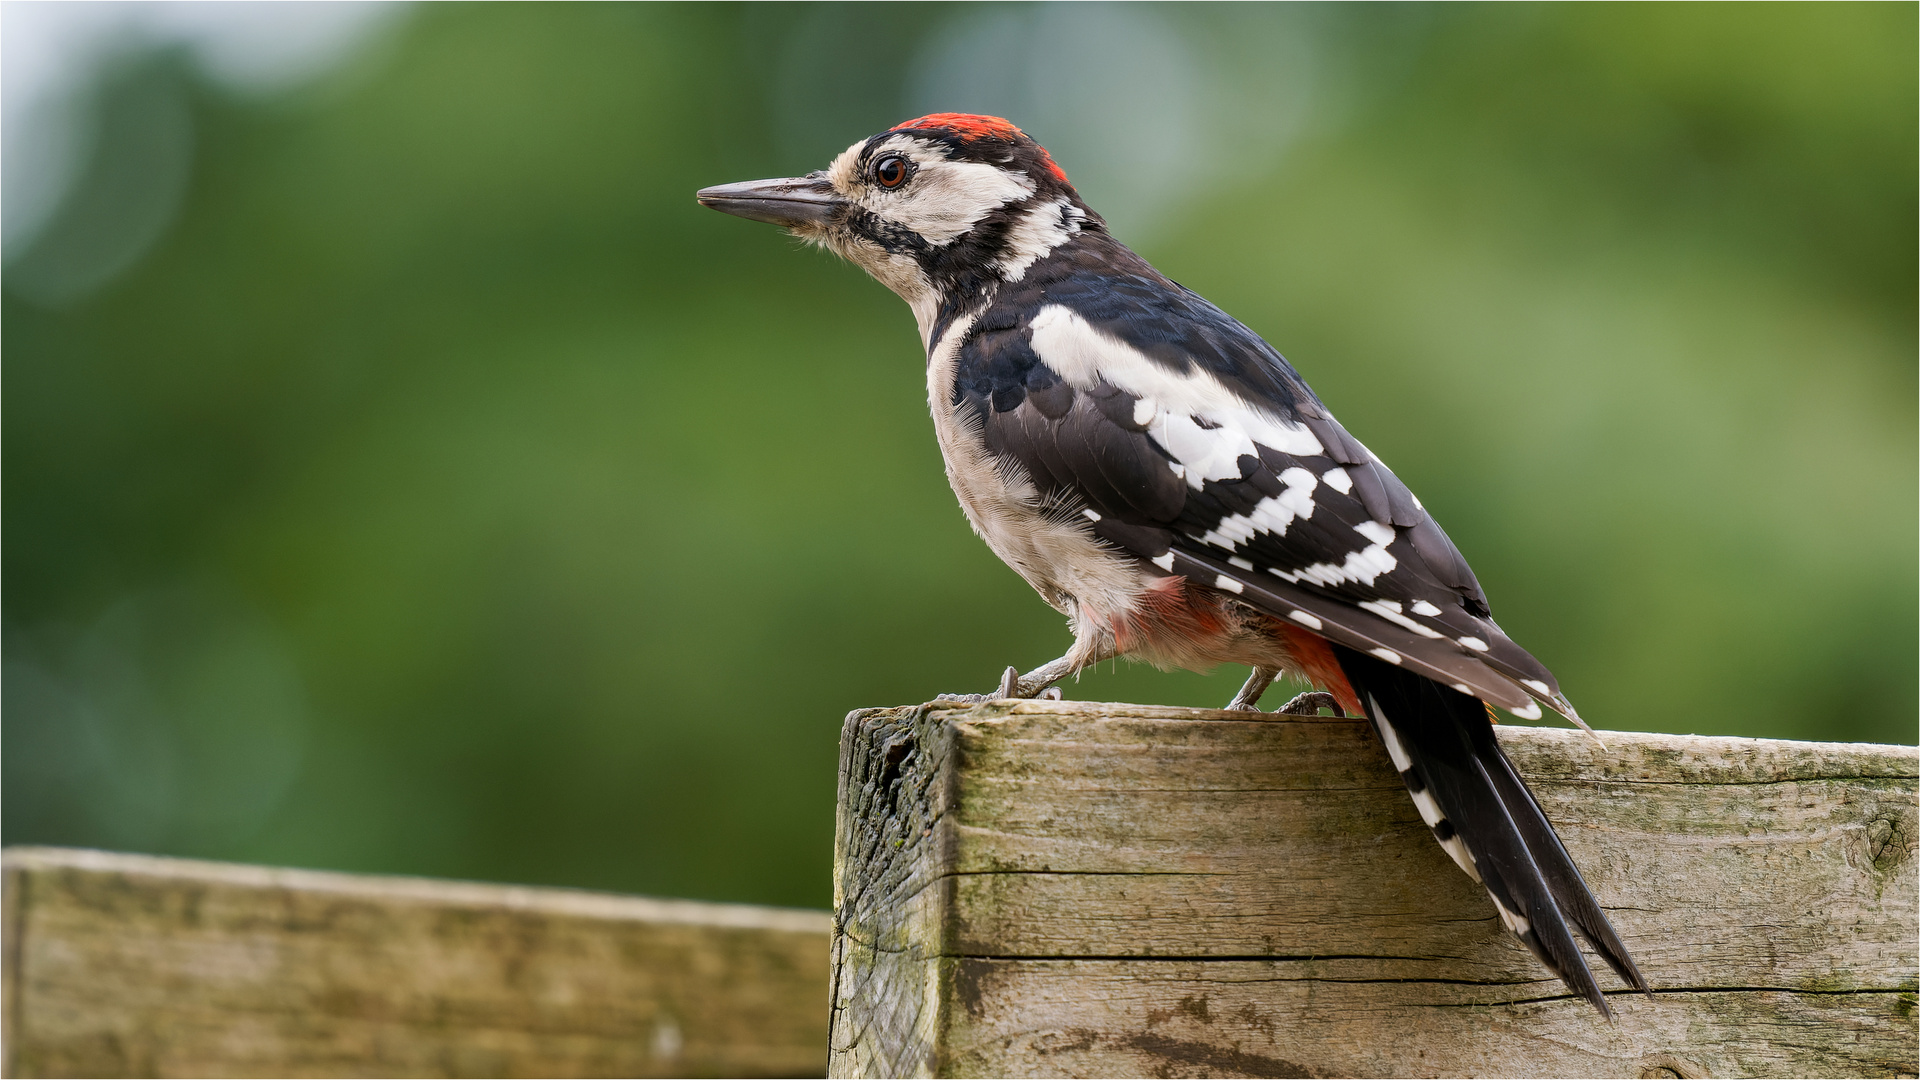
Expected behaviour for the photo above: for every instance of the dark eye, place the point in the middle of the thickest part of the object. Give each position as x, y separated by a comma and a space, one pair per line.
891, 172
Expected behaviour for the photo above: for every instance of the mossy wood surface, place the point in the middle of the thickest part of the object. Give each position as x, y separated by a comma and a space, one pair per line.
121, 965
1077, 889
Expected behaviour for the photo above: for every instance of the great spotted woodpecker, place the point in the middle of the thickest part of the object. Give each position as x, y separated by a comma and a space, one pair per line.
1165, 479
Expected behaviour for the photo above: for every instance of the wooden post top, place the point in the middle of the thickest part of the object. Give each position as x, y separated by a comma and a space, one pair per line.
1070, 888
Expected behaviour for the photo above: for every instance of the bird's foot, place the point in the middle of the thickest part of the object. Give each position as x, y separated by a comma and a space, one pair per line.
1010, 690
1310, 704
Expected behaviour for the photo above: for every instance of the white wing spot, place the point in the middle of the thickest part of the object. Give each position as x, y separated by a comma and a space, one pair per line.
1388, 655
1530, 711
1474, 643
1304, 619
1377, 531
1364, 565
1222, 581
1272, 515
1390, 611
1144, 411
1538, 686
1091, 515
1421, 607
1239, 562
1338, 480
1164, 562
1463, 688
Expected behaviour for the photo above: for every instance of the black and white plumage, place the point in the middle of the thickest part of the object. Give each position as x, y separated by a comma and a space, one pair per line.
1164, 478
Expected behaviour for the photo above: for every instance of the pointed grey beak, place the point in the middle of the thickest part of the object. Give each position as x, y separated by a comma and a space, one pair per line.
793, 203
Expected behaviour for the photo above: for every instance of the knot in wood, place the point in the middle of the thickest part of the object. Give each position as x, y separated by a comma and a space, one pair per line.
1890, 839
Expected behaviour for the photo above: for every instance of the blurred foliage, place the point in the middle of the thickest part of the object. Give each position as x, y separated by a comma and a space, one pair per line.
445, 493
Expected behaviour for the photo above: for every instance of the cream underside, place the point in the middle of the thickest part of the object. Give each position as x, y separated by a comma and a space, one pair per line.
1050, 547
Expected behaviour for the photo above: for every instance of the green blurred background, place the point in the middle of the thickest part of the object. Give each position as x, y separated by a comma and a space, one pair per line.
403, 474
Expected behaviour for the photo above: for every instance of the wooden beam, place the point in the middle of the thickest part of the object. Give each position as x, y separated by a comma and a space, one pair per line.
1077, 889
124, 965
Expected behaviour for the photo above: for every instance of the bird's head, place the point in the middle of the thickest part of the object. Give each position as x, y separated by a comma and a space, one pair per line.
940, 206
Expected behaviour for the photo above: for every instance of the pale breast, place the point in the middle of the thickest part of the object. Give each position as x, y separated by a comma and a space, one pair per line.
1050, 546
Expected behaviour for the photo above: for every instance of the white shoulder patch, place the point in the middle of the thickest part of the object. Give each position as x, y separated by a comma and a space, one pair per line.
1192, 415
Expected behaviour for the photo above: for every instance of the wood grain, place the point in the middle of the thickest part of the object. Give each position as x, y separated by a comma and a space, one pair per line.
121, 965
1075, 889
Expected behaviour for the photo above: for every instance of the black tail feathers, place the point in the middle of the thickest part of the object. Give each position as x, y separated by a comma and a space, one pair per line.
1442, 742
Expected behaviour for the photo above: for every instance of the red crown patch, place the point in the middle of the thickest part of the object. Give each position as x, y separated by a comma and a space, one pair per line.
970, 126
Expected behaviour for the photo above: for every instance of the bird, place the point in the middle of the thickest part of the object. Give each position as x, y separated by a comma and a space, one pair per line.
1165, 479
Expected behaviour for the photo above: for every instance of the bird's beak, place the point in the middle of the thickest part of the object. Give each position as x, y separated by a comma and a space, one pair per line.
793, 203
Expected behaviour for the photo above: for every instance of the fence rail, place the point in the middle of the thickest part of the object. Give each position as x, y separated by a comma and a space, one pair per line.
127, 965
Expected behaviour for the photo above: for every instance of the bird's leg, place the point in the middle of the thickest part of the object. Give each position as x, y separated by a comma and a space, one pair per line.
1310, 704
1248, 699
1037, 683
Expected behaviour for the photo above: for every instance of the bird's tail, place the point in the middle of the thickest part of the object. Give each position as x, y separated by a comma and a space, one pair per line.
1442, 742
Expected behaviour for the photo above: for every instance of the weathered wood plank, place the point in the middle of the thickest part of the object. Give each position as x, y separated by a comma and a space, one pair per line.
1073, 889
120, 965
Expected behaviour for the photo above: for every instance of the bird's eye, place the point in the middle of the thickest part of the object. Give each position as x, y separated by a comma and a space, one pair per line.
891, 172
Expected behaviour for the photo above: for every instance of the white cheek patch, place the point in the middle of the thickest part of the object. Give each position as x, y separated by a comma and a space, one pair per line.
946, 199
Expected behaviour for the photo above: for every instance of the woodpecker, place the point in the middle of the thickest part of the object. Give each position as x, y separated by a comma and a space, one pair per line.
1166, 480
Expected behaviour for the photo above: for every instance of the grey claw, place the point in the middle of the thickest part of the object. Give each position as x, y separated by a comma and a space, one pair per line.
1009, 684
1051, 693
1310, 704
962, 699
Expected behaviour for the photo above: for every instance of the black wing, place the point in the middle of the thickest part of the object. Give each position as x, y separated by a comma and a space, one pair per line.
1192, 444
